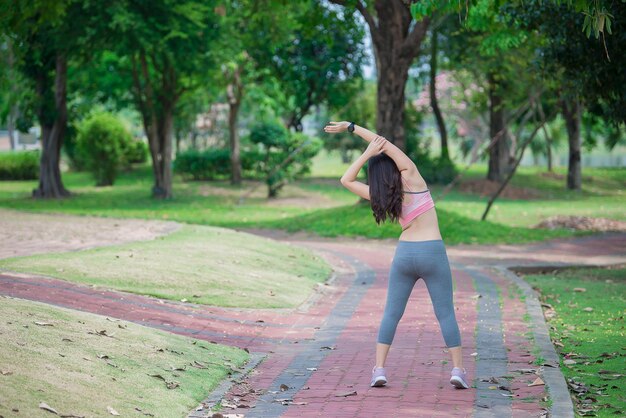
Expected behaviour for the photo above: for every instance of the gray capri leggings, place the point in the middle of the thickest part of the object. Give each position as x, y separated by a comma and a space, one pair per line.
414, 260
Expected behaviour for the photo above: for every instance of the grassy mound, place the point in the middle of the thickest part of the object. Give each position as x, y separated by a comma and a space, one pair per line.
205, 265
82, 364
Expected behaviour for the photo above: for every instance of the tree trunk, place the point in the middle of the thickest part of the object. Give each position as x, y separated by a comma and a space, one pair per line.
571, 114
163, 171
158, 119
548, 149
434, 102
235, 94
396, 41
50, 183
13, 112
499, 151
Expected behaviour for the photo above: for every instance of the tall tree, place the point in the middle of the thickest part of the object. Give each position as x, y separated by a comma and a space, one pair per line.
166, 46
44, 35
396, 39
432, 89
252, 28
587, 78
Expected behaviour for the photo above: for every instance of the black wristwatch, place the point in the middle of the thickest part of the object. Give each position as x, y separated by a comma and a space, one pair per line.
351, 127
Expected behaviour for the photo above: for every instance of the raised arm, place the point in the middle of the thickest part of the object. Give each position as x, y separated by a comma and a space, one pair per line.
349, 180
403, 162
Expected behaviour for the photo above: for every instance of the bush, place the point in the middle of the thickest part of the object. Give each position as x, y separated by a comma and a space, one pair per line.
19, 165
203, 165
213, 164
282, 156
100, 143
135, 152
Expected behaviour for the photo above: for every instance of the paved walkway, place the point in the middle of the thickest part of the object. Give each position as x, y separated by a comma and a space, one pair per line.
317, 359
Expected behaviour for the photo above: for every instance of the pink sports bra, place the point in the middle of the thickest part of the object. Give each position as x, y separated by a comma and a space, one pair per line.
414, 204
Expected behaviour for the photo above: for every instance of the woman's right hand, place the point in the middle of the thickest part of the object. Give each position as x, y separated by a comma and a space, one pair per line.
375, 147
336, 127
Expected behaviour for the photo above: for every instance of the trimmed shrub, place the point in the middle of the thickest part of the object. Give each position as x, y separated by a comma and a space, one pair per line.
19, 165
100, 143
213, 164
135, 152
203, 165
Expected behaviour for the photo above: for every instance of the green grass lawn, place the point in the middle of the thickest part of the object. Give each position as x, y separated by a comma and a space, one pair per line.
322, 206
589, 329
81, 364
201, 264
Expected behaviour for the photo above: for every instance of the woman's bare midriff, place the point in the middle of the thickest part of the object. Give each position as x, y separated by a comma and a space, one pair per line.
423, 228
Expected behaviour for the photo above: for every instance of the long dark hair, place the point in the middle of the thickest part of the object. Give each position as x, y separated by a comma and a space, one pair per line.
385, 188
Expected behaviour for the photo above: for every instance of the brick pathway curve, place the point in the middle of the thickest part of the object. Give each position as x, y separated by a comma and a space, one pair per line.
323, 351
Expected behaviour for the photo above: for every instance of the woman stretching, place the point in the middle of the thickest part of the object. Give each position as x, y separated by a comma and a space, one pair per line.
397, 192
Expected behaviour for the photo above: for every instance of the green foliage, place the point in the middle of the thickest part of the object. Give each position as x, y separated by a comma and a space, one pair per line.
591, 70
592, 337
283, 156
596, 13
135, 152
19, 165
101, 142
213, 164
317, 64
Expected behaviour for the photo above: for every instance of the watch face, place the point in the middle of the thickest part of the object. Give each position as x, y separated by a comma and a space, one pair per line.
351, 127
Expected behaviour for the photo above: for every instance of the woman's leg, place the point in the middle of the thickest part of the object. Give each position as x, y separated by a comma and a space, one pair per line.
402, 278
438, 279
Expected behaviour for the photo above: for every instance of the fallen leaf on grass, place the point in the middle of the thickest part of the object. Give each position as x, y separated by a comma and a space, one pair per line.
588, 309
169, 385
48, 408
346, 394
148, 414
537, 382
112, 411
6, 372
102, 333
580, 289
569, 362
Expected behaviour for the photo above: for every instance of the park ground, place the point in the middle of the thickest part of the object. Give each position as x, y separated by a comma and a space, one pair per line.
98, 301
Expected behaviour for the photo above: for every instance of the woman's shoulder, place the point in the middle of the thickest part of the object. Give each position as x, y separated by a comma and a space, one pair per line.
413, 180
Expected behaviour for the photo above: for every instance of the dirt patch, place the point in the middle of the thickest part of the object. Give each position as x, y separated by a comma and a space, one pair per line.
488, 188
24, 234
582, 223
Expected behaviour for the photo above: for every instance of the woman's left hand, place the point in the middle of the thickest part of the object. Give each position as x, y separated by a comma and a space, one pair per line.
336, 127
